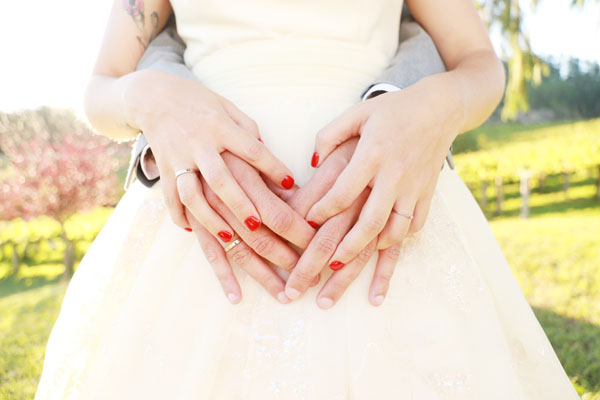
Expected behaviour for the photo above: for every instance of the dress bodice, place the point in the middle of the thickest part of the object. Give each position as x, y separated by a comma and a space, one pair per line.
273, 43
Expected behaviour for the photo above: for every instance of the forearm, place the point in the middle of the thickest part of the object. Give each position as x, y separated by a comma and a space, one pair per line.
465, 96
105, 106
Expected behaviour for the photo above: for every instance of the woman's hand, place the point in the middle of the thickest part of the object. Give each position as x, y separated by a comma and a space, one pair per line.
401, 150
189, 126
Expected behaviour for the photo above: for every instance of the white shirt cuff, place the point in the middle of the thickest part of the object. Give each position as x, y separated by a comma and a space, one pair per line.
379, 88
148, 163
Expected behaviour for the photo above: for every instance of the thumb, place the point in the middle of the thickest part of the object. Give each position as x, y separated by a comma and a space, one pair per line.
347, 125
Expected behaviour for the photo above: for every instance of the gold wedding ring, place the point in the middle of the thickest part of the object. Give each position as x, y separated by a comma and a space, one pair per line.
184, 171
232, 245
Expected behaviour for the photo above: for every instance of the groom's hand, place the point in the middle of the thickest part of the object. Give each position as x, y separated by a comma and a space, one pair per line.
280, 223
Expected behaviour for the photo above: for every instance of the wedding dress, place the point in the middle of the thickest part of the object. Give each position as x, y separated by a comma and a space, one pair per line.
145, 318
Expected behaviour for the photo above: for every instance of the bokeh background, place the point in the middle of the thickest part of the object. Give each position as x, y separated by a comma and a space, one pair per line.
534, 167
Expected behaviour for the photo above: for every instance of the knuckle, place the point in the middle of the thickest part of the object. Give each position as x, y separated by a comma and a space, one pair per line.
187, 194
385, 276
374, 225
325, 245
262, 244
211, 255
339, 203
211, 119
215, 177
393, 252
241, 256
282, 221
303, 276
365, 254
253, 151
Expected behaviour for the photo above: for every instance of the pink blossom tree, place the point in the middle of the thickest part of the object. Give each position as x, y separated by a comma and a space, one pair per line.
57, 175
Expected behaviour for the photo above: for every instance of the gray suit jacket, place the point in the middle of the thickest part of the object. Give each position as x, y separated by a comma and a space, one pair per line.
416, 58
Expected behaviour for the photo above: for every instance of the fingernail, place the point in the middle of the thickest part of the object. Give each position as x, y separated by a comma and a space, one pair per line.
292, 293
315, 159
252, 223
313, 224
232, 297
325, 302
335, 265
283, 298
260, 140
188, 229
225, 236
378, 300
287, 182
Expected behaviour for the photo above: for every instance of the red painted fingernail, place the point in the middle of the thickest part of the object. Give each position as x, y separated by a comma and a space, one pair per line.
315, 159
313, 224
225, 236
252, 223
287, 182
260, 140
335, 265
188, 229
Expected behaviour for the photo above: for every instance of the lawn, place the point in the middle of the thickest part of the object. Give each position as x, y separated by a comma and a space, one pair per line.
555, 255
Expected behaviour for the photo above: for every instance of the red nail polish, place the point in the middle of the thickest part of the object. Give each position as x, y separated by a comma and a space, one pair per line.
313, 224
260, 140
287, 182
225, 236
252, 223
188, 229
315, 159
335, 265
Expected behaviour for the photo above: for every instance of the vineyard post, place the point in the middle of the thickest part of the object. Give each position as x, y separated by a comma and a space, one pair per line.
524, 176
16, 263
499, 194
566, 184
598, 183
542, 182
484, 199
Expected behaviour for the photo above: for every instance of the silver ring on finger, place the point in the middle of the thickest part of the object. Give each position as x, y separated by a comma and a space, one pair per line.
184, 171
232, 245
409, 216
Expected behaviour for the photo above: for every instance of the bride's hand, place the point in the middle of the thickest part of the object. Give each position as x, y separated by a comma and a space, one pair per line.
189, 126
401, 150
329, 235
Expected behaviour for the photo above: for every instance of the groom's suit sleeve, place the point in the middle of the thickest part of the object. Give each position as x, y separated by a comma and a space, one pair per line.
416, 58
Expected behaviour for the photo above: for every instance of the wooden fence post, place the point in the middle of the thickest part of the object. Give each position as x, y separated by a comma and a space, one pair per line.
524, 176
499, 194
566, 184
484, 199
598, 183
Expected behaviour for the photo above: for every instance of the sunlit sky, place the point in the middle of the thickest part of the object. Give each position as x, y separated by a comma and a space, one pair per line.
48, 48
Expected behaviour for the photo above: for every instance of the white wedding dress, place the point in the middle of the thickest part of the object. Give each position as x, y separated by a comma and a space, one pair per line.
145, 318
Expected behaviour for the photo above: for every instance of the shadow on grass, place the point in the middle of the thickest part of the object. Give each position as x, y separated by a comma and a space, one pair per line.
577, 344
17, 284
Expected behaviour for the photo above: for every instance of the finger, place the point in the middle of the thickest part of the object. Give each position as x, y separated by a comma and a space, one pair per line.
257, 268
240, 118
219, 179
191, 194
171, 197
421, 211
256, 154
397, 225
343, 127
371, 222
262, 241
339, 280
320, 249
215, 255
350, 183
276, 214
384, 269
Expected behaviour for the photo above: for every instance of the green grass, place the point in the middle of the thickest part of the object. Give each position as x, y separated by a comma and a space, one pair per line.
29, 305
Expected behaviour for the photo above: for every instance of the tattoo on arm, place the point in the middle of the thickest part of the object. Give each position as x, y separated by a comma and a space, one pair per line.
135, 9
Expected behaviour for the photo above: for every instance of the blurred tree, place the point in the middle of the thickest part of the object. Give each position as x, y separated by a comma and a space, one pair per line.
55, 174
525, 69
